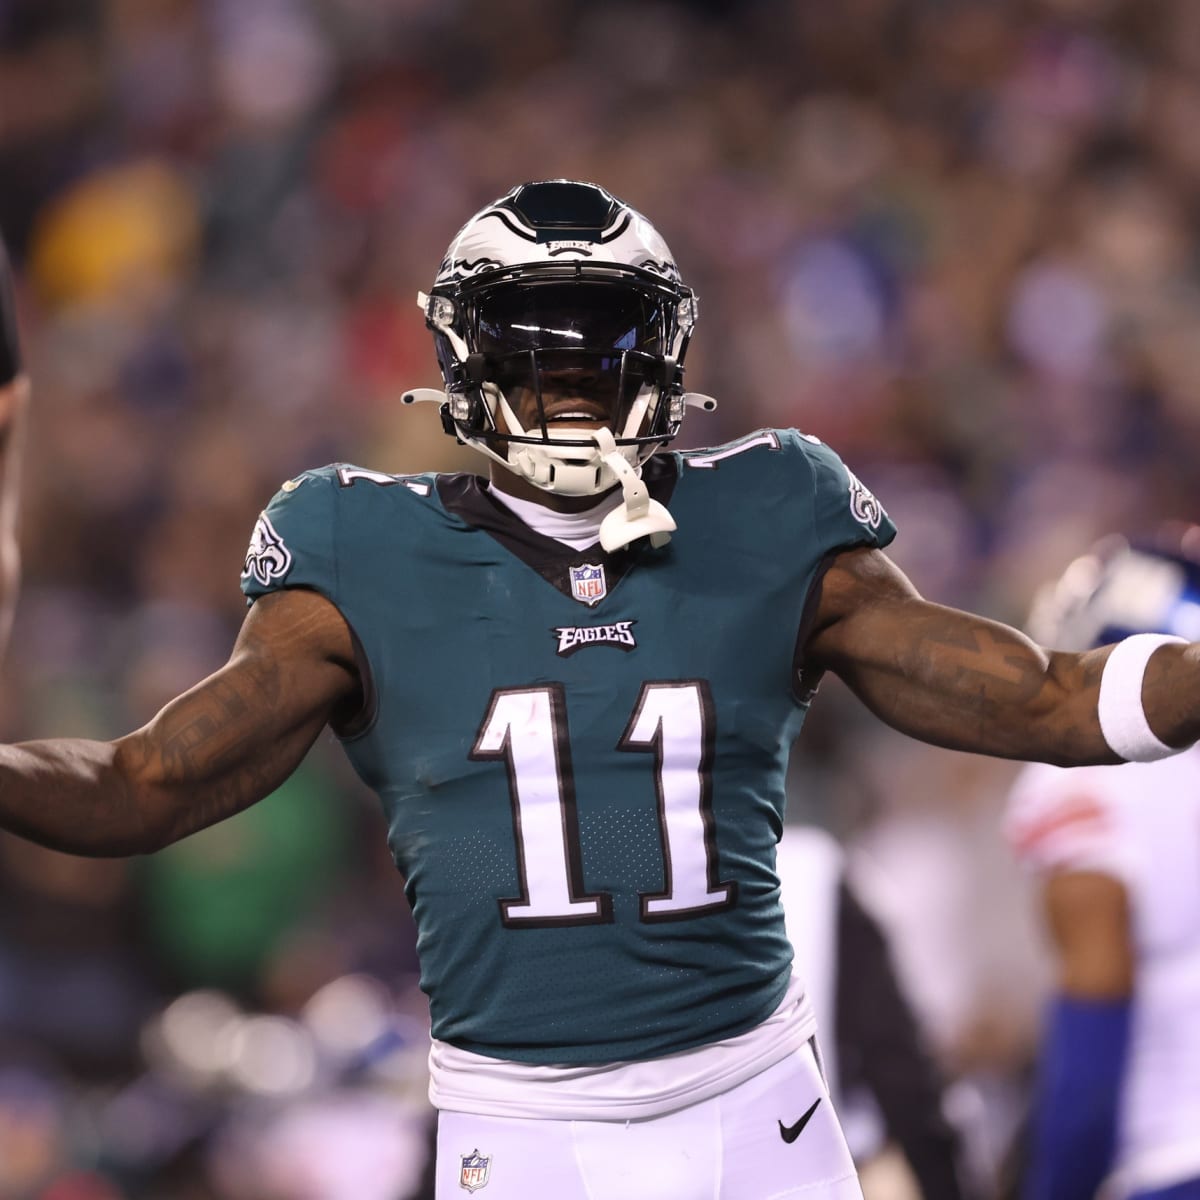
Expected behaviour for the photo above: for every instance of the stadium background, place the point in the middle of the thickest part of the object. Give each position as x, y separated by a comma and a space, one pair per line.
956, 239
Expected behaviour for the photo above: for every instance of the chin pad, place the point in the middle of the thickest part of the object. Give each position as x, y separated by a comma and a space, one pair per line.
618, 529
640, 515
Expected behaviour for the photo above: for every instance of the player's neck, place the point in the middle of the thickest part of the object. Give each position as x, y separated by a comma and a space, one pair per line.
579, 530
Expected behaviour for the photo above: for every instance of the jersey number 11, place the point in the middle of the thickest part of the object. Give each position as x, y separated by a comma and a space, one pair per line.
526, 728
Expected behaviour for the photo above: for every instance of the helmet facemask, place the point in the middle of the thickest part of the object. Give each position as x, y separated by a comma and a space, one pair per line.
537, 358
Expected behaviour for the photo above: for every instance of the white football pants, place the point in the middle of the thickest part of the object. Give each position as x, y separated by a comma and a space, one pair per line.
733, 1147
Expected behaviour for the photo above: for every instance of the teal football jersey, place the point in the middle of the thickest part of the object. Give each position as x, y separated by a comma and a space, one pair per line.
581, 755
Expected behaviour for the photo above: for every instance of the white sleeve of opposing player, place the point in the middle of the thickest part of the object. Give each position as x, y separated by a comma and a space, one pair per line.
1068, 820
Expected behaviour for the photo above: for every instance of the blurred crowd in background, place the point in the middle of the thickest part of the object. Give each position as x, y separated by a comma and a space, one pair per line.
956, 239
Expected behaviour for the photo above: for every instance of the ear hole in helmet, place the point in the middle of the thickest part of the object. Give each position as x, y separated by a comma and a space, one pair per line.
475, 367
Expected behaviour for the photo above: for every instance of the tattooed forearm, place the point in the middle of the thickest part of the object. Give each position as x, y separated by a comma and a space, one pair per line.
971, 684
55, 793
951, 678
223, 745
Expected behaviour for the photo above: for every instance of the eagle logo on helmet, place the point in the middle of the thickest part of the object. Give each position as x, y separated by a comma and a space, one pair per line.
664, 267
453, 269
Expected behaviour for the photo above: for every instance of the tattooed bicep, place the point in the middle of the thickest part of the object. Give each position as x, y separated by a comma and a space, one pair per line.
219, 720
235, 736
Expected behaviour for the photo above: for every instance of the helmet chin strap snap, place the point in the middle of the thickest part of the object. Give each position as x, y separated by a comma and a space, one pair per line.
640, 515
536, 470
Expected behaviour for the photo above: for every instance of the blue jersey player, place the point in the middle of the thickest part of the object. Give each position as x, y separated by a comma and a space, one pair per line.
573, 688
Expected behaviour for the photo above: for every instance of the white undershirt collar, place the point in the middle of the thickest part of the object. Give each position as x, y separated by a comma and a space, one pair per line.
579, 530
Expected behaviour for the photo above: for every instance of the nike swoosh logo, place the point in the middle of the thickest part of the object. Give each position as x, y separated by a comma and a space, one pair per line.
790, 1133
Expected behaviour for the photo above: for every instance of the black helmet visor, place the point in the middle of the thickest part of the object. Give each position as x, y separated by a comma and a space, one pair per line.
598, 340
579, 315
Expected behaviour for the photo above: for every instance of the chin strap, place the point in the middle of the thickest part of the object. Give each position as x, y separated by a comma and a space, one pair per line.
640, 515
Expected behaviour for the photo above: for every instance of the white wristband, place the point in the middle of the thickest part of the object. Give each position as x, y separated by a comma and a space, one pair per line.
1122, 717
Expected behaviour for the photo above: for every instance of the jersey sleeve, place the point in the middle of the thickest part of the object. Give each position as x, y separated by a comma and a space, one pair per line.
845, 511
293, 544
1067, 820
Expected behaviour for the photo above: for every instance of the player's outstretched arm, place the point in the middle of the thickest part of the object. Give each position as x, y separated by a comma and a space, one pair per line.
967, 683
215, 750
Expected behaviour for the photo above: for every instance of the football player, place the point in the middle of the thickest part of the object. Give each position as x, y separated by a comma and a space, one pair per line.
883, 1080
1116, 855
573, 687
14, 403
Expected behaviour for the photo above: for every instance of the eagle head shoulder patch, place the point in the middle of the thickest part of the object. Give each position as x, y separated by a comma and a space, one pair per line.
267, 558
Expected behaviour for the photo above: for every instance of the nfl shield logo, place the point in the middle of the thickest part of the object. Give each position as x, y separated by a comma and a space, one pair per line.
587, 583
473, 1174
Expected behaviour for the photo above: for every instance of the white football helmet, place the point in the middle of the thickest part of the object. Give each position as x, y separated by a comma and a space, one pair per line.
1121, 588
562, 302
